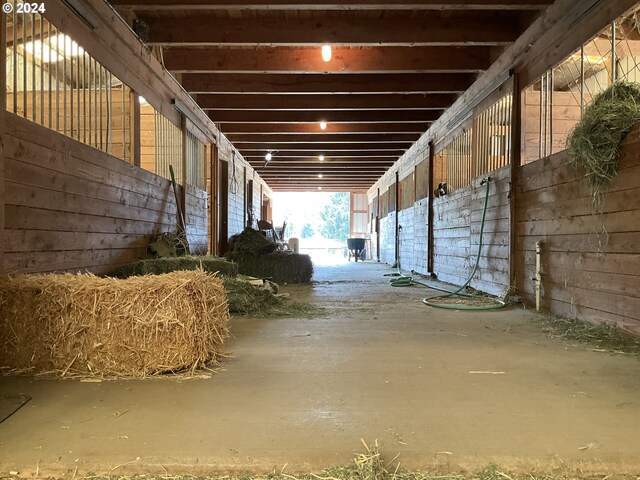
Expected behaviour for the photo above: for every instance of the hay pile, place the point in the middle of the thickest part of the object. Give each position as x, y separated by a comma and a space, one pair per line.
281, 267
595, 141
252, 242
155, 266
244, 298
85, 326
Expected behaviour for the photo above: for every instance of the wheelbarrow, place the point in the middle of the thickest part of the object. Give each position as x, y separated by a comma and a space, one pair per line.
355, 247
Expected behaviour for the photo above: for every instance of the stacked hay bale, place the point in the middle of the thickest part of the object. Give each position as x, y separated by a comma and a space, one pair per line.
85, 326
256, 256
155, 266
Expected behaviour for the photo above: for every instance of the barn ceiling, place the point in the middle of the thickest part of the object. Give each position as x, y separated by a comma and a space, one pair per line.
256, 68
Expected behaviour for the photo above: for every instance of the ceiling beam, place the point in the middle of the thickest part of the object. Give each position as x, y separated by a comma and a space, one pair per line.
327, 84
450, 28
321, 138
311, 153
200, 5
345, 60
347, 116
328, 147
326, 102
338, 162
265, 129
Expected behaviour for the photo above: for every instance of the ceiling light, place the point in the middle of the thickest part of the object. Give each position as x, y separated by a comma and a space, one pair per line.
326, 53
321, 158
323, 125
268, 156
319, 188
319, 175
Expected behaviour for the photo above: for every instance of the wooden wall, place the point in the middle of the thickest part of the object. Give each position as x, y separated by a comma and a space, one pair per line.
590, 261
72, 207
456, 232
197, 223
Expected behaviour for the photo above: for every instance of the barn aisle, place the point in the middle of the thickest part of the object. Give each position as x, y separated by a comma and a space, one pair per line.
303, 392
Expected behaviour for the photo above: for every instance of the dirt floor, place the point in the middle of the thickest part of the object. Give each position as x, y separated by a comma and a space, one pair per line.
303, 392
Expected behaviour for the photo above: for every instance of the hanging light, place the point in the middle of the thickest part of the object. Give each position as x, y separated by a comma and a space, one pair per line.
319, 188
321, 158
319, 175
323, 125
268, 156
326, 53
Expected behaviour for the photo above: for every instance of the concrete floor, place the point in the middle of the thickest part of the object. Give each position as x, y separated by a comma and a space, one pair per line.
303, 392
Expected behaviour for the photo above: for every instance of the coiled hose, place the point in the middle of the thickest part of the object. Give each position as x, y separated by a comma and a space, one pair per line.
402, 280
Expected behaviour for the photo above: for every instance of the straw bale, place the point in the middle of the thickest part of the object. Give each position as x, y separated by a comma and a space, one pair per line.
281, 267
85, 326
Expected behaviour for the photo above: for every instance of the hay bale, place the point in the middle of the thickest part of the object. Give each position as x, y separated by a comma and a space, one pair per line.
281, 267
85, 326
252, 242
155, 266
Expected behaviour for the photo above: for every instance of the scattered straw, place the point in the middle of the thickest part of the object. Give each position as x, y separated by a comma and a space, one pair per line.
246, 299
595, 141
85, 326
605, 338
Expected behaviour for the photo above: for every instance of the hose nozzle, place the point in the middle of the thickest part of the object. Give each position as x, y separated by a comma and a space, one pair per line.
485, 180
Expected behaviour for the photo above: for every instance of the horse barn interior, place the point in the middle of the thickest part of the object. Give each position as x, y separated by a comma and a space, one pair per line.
489, 154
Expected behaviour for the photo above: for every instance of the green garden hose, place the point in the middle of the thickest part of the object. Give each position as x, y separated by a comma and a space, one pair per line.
404, 280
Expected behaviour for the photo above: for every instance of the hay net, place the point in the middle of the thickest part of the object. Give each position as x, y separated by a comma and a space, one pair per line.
86, 326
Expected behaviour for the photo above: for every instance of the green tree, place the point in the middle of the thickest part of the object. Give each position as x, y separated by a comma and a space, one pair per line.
336, 217
307, 231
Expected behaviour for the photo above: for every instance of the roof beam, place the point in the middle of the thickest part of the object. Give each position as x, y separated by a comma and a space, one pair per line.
451, 28
310, 116
365, 155
328, 147
266, 129
321, 138
200, 5
327, 84
345, 60
326, 102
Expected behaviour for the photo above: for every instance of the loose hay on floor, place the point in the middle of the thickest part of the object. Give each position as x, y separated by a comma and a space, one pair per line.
85, 326
246, 299
155, 266
281, 267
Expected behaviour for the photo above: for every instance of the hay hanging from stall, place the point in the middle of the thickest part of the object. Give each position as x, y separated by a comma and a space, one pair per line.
280, 267
155, 266
86, 326
252, 242
595, 141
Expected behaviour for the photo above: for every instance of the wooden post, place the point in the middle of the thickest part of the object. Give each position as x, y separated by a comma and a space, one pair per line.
3, 114
430, 255
397, 192
514, 171
214, 210
223, 213
183, 168
135, 128
378, 226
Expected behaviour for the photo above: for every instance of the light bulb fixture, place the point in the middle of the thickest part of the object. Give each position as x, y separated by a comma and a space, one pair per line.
268, 156
321, 158
326, 53
323, 125
319, 175
319, 188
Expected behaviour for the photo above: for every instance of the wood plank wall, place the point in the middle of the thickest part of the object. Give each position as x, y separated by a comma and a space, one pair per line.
456, 231
196, 220
590, 262
71, 207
